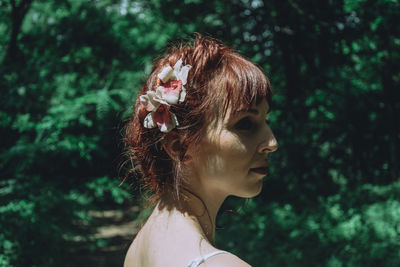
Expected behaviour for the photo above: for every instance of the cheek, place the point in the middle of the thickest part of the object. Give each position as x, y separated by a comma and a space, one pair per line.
227, 154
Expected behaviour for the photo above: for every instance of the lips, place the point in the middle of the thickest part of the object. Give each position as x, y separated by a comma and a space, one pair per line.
260, 170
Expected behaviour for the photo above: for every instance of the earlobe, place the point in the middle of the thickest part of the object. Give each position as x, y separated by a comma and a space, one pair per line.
172, 144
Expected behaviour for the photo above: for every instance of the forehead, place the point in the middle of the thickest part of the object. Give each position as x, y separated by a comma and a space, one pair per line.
261, 108
256, 108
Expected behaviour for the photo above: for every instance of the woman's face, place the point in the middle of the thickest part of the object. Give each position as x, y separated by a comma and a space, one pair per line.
232, 158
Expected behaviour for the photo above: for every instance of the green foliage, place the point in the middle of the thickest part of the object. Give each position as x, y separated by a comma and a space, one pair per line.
70, 70
332, 234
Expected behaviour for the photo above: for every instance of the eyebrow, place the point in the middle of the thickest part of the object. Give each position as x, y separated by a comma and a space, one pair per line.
254, 111
251, 110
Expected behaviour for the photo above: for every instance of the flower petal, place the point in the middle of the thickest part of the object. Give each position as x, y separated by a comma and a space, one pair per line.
148, 101
160, 96
145, 103
170, 91
174, 119
149, 121
166, 74
163, 119
178, 66
183, 94
183, 73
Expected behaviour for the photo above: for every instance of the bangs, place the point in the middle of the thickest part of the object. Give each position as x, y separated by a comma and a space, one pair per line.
244, 84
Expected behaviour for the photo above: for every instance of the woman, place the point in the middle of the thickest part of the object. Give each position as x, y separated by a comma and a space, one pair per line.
198, 135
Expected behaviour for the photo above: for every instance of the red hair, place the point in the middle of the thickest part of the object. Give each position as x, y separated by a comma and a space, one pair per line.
219, 81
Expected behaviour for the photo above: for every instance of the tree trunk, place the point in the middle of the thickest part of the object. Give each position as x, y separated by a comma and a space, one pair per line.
18, 13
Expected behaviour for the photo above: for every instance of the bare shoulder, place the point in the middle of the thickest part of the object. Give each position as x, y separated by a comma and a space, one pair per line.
131, 257
225, 260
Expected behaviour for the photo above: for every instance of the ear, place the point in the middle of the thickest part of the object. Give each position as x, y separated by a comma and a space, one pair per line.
172, 144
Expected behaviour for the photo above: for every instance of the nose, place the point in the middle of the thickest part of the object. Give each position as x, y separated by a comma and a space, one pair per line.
269, 144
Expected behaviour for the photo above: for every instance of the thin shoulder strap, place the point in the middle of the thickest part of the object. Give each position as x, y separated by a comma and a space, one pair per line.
199, 260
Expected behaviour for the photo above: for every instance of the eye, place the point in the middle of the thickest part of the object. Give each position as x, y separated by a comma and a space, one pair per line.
244, 124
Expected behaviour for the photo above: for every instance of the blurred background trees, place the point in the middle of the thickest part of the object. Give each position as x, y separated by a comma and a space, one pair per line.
70, 70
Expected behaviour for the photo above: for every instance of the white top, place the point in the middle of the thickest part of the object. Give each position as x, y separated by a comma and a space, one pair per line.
196, 262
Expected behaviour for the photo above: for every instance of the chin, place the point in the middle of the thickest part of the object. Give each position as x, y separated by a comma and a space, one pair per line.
252, 190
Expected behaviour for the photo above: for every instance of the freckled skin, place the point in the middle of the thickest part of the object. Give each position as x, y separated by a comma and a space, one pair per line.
227, 153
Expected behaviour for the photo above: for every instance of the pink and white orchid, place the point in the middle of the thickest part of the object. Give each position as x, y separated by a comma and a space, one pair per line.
170, 92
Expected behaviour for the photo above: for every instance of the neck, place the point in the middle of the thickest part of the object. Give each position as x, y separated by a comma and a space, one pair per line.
204, 205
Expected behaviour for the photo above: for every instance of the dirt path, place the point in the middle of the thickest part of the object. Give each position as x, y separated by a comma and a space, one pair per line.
109, 240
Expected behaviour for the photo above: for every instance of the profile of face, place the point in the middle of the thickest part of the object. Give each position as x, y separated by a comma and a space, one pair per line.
232, 158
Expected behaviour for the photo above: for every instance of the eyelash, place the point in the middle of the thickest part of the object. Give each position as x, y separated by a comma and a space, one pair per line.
244, 124
247, 124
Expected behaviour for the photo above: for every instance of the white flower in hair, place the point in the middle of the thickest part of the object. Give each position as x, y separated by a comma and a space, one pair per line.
174, 79
170, 92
